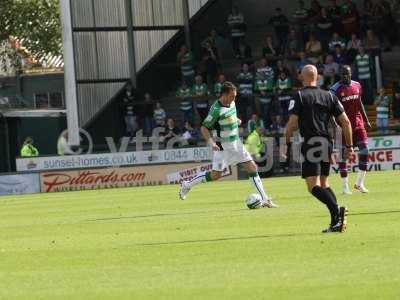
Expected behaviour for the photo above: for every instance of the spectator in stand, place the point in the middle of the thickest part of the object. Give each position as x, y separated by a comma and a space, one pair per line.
352, 48
210, 63
372, 46
184, 93
281, 68
265, 92
294, 45
130, 115
218, 85
254, 123
335, 11
284, 94
336, 40
245, 81
216, 41
313, 49
330, 71
320, 65
386, 25
363, 68
354, 42
321, 83
185, 61
190, 135
368, 17
280, 23
211, 38
62, 145
200, 95
147, 117
255, 144
371, 43
265, 69
350, 19
382, 102
159, 116
28, 150
275, 112
270, 50
300, 16
238, 29
339, 56
380, 8
303, 60
313, 14
171, 131
324, 28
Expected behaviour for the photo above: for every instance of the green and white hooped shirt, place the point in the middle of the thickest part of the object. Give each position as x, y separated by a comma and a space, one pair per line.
363, 66
224, 120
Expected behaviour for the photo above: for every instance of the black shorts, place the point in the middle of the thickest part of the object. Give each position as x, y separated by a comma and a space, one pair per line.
316, 158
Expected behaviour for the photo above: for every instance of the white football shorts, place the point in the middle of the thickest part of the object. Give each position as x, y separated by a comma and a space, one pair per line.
233, 154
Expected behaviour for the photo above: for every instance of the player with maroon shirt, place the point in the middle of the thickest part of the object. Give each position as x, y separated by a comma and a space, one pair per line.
349, 93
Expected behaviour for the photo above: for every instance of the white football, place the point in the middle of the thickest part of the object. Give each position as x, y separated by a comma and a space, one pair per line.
254, 201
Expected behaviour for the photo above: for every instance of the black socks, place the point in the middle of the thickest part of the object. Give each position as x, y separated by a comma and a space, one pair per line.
332, 194
327, 197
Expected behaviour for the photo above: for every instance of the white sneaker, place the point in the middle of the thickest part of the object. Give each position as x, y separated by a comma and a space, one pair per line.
346, 190
361, 188
185, 188
269, 204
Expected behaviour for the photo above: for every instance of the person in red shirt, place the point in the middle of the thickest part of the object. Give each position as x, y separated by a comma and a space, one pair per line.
349, 93
350, 19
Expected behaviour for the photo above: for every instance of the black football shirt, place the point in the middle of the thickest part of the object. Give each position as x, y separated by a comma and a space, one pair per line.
315, 109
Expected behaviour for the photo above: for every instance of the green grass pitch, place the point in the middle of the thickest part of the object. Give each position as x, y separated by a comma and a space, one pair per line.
144, 243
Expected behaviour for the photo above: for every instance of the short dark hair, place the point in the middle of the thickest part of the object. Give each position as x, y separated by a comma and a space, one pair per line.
227, 87
28, 140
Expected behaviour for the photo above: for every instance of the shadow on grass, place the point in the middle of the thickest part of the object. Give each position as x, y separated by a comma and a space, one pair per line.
165, 215
369, 213
376, 213
242, 238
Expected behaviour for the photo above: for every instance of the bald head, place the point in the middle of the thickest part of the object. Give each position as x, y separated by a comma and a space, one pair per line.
309, 75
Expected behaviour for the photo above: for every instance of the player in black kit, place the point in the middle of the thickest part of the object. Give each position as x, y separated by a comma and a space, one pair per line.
313, 111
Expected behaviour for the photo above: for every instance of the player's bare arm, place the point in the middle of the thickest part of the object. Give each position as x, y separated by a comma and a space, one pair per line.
344, 122
291, 126
207, 137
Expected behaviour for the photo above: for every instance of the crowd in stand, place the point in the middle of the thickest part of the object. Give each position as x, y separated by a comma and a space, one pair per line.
326, 36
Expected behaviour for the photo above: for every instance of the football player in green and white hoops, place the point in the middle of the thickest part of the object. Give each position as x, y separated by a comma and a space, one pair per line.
228, 149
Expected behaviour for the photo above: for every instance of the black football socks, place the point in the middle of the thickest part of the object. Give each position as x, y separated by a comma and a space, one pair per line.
328, 198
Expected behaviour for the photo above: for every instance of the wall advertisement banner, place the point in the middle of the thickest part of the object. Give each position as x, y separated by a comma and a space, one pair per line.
114, 159
384, 142
378, 160
190, 173
90, 179
150, 157
19, 184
